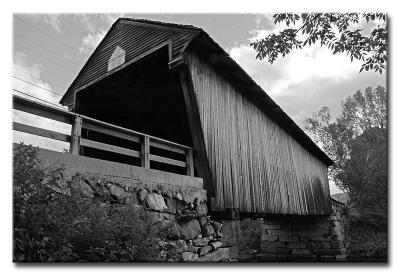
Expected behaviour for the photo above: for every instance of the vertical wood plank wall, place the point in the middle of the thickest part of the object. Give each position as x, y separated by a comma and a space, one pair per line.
255, 165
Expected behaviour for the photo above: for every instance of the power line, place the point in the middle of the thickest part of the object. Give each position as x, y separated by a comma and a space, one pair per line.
45, 48
33, 84
25, 74
48, 58
47, 34
62, 108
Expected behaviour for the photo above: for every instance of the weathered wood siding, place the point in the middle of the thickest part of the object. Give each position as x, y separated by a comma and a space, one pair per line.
135, 38
256, 166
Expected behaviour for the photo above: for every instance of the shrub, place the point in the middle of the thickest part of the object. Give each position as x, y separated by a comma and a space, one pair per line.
53, 225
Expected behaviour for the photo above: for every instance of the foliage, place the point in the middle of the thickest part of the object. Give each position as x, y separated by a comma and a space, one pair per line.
356, 142
367, 243
51, 226
360, 112
333, 30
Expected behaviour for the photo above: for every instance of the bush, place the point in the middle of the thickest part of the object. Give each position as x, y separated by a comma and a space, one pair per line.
368, 241
51, 225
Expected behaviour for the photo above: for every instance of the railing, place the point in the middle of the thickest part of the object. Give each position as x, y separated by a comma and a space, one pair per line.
80, 122
337, 204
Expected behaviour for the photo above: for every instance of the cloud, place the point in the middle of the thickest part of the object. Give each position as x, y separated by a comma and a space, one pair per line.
32, 73
91, 41
305, 80
97, 26
51, 19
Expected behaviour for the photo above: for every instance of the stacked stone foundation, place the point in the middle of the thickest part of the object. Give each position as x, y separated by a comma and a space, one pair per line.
175, 204
284, 238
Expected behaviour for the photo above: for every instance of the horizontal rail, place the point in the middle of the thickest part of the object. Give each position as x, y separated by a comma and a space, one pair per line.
110, 131
80, 122
167, 147
109, 148
94, 121
40, 132
167, 160
39, 109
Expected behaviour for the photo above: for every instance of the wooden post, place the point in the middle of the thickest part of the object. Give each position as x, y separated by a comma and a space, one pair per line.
189, 162
145, 152
76, 136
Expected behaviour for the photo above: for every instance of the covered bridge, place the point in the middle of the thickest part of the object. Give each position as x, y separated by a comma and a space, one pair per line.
174, 82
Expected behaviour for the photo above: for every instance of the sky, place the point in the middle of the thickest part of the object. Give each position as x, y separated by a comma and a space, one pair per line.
50, 49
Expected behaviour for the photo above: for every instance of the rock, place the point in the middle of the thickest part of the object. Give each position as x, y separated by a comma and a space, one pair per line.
204, 250
202, 221
301, 251
217, 226
288, 238
215, 256
216, 245
181, 245
117, 191
186, 217
207, 230
192, 228
171, 205
169, 194
201, 242
82, 187
155, 202
268, 238
131, 199
201, 209
192, 249
142, 194
179, 196
175, 232
189, 256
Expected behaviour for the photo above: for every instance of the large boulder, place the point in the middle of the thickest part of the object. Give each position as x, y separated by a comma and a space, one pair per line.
189, 256
207, 230
192, 229
155, 202
174, 231
201, 209
142, 194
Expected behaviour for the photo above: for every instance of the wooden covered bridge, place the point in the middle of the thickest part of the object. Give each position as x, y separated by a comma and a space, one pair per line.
179, 88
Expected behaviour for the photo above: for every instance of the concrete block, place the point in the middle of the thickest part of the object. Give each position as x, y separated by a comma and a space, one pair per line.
301, 251
189, 256
271, 226
285, 238
297, 245
215, 256
281, 232
204, 250
268, 238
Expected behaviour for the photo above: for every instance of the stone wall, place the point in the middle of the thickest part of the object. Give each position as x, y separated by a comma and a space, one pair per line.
174, 202
287, 238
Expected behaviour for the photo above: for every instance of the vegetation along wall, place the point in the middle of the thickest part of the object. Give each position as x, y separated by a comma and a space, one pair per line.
256, 166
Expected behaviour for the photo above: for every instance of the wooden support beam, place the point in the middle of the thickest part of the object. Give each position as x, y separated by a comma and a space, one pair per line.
189, 163
76, 136
145, 152
201, 160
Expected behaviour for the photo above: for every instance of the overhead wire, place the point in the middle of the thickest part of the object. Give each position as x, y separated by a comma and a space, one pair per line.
46, 57
33, 84
44, 48
46, 33
60, 107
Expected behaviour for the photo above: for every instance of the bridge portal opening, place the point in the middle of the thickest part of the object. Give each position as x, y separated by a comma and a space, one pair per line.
145, 96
